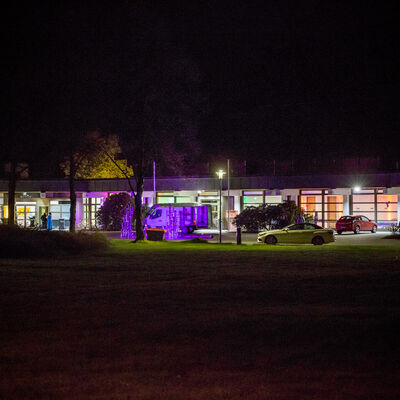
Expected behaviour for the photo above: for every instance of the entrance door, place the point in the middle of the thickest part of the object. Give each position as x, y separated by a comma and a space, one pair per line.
214, 203
26, 214
42, 210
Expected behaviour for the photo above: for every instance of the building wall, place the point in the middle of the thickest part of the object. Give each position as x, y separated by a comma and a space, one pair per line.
338, 196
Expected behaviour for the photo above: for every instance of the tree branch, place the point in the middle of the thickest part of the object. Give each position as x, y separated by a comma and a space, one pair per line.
124, 172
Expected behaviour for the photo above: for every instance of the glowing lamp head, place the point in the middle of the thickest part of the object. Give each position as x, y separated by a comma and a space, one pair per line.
220, 174
357, 188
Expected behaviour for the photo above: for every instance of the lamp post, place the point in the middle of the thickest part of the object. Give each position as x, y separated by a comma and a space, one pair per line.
220, 174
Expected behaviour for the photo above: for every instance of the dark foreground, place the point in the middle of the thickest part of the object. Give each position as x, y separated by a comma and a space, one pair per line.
161, 322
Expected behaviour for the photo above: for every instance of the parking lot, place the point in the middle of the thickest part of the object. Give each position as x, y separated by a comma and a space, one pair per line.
347, 238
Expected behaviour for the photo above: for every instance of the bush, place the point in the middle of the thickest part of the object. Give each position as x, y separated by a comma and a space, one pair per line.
394, 229
24, 243
254, 219
266, 217
113, 210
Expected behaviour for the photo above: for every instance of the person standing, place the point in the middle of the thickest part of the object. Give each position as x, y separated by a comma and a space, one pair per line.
44, 220
49, 222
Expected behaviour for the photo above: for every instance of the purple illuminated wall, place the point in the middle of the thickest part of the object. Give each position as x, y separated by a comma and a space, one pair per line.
79, 212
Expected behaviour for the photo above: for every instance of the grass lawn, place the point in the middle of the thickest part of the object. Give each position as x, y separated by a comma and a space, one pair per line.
184, 321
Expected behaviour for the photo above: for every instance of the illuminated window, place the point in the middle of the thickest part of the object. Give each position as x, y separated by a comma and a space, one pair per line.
380, 207
60, 210
182, 199
363, 198
387, 211
324, 208
333, 209
273, 200
311, 204
165, 200
253, 198
252, 201
91, 206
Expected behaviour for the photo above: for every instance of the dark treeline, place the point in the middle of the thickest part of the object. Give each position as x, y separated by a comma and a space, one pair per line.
200, 83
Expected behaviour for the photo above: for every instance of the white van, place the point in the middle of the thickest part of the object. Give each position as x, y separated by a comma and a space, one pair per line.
178, 218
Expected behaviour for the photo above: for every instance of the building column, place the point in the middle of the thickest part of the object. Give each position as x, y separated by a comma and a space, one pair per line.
398, 209
79, 211
376, 205
89, 213
351, 203
346, 204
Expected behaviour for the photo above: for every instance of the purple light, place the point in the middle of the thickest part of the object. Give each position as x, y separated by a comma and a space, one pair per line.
79, 212
176, 220
96, 194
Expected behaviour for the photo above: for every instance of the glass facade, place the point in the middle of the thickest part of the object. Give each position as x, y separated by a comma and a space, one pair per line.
183, 199
3, 211
377, 206
91, 206
272, 200
25, 213
165, 198
60, 212
212, 201
364, 204
252, 200
333, 209
387, 208
258, 198
323, 207
311, 204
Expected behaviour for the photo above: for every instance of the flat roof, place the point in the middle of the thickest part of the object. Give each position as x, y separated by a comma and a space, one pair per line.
384, 180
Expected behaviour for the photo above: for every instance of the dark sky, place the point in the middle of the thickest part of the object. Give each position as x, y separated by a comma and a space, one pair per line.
278, 78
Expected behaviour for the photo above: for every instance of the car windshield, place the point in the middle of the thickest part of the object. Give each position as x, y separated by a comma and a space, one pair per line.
302, 226
312, 226
156, 213
346, 217
295, 227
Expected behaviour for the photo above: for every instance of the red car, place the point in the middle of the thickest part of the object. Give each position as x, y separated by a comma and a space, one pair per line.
355, 223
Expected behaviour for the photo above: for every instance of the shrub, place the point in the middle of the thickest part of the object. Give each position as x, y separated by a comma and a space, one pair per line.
266, 217
253, 219
113, 210
24, 243
394, 229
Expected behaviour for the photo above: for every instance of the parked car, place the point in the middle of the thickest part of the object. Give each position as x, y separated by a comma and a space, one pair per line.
303, 233
355, 223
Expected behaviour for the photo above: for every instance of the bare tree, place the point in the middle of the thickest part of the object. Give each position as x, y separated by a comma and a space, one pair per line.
157, 116
92, 156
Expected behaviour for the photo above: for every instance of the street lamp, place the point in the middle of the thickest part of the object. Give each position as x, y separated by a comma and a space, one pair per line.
220, 174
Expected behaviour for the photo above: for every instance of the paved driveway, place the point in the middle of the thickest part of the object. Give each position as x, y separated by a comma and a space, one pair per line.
366, 239
347, 238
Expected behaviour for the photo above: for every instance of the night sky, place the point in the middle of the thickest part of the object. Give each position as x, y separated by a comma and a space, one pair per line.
282, 79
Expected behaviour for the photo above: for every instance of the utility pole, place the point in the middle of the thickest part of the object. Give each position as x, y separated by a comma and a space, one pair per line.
220, 174
229, 198
154, 183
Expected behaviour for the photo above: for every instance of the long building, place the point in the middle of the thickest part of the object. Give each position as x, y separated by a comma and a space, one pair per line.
326, 197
